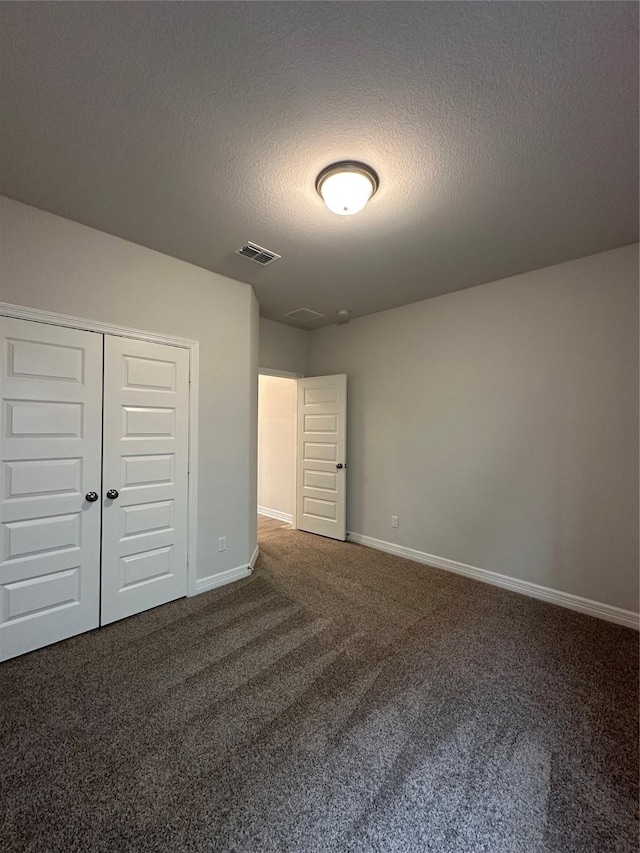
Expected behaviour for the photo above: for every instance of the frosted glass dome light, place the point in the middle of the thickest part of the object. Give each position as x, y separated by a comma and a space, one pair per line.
347, 187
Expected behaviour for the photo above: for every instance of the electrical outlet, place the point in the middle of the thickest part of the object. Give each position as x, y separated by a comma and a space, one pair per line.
222, 543
395, 521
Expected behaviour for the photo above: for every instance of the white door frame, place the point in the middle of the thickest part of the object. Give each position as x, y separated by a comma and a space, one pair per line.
286, 374
20, 312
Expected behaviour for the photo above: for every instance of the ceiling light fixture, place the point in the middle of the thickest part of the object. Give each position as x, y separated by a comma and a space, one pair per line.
347, 187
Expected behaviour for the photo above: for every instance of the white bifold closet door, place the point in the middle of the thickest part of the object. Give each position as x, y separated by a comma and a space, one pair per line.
93, 480
51, 449
146, 446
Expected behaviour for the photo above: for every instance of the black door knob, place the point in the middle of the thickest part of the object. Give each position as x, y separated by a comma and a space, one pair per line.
112, 494
339, 465
91, 497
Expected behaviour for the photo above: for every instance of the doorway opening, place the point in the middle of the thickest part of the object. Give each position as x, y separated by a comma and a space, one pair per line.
302, 437
277, 412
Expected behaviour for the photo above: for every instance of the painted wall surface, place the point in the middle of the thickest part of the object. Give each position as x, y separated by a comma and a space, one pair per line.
500, 424
283, 347
276, 443
53, 264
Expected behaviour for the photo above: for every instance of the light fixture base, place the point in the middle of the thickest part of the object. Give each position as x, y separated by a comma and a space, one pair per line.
348, 166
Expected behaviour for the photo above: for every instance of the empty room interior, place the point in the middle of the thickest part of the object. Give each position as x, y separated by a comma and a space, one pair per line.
319, 427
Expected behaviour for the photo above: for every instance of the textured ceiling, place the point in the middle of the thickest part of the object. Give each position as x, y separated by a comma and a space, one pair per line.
505, 136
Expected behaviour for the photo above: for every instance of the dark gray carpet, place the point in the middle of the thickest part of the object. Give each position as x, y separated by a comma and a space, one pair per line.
338, 700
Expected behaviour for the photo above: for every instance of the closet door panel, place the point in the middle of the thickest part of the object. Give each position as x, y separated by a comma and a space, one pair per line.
50, 458
146, 447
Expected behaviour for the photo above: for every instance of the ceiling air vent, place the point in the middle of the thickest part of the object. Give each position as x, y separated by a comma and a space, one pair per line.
303, 315
257, 253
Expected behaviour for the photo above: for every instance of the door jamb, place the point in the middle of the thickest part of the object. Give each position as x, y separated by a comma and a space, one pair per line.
20, 312
286, 374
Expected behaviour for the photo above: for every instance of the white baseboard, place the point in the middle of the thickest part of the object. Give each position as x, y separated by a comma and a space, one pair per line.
275, 513
533, 590
254, 557
222, 578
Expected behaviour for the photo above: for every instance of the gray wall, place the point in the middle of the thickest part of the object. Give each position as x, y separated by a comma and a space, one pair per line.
501, 424
283, 347
57, 265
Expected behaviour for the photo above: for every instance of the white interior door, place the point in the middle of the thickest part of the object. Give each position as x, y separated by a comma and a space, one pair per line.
322, 442
145, 469
50, 448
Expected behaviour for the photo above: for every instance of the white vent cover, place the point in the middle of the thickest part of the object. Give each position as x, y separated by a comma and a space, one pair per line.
303, 315
258, 254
